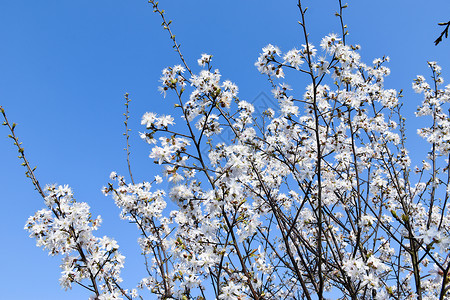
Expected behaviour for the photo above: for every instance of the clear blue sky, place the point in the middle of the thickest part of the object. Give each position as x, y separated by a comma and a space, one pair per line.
65, 65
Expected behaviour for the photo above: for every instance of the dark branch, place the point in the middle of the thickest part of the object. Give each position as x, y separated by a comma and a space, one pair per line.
444, 32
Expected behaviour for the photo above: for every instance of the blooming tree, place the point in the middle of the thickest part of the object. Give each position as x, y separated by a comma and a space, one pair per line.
313, 198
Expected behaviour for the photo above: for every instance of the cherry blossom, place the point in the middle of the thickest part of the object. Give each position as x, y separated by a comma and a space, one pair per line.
313, 197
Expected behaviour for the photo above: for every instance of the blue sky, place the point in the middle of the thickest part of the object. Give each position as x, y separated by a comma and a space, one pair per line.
65, 65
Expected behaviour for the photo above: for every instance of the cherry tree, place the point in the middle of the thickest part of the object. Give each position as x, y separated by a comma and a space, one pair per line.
315, 197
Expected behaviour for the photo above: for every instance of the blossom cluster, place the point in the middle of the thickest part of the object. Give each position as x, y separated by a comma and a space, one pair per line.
65, 228
318, 199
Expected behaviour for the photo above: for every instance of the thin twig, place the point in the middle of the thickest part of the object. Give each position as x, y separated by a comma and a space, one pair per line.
30, 171
127, 116
444, 32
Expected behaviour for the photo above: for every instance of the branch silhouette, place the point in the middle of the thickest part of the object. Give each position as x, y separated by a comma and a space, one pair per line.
444, 32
